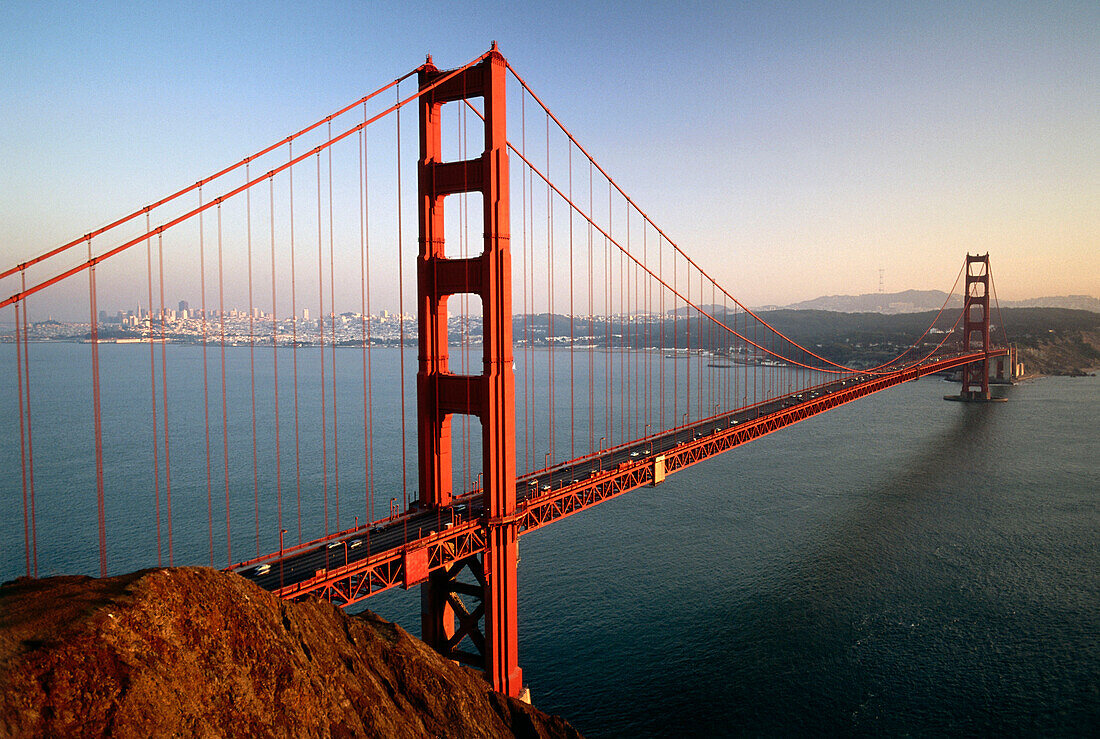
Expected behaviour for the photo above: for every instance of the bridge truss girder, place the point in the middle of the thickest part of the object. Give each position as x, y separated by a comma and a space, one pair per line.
414, 563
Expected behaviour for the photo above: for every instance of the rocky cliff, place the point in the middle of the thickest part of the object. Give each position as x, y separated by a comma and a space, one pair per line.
195, 652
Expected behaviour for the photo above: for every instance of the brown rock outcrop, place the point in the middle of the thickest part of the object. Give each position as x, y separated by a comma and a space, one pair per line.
196, 652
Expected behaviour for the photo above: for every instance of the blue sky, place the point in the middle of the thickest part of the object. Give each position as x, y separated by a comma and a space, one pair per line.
793, 149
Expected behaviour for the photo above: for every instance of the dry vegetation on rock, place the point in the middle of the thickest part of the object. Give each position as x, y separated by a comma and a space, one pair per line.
195, 652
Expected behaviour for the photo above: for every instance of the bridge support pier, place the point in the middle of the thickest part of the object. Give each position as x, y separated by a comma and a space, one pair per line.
490, 396
449, 615
975, 376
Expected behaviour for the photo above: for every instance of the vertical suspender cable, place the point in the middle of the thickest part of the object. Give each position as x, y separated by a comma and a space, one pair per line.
710, 349
464, 346
275, 367
529, 276
549, 293
624, 309
464, 332
610, 418
634, 304
321, 332
527, 269
646, 312
252, 360
225, 404
591, 329
639, 363
745, 357
632, 335
22, 439
294, 345
534, 311
364, 297
164, 399
623, 398
205, 382
721, 380
640, 405
332, 336
997, 303
675, 343
757, 369
467, 430
401, 332
688, 316
731, 377
661, 345
153, 387
98, 419
703, 412
572, 333
30, 432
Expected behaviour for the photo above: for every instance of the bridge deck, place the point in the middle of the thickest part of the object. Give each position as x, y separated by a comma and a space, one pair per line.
352, 565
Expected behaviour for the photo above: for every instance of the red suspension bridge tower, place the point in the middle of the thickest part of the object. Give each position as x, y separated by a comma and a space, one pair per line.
490, 396
975, 376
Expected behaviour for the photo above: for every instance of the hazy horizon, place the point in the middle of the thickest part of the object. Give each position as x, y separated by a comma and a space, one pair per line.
793, 152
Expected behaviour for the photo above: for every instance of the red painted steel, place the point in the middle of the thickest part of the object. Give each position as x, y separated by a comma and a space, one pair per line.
491, 395
467, 538
975, 376
98, 422
371, 575
22, 440
551, 506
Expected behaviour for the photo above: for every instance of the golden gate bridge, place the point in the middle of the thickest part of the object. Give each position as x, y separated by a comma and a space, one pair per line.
609, 358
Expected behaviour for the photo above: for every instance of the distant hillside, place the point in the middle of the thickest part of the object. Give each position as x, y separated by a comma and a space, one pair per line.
908, 301
918, 301
1071, 302
1054, 341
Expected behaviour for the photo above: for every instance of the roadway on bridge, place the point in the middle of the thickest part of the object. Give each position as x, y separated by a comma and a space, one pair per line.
358, 544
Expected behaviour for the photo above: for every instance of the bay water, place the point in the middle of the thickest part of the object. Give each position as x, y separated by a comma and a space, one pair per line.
900, 565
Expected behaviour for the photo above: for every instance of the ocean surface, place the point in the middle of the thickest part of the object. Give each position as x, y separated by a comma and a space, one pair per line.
897, 566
